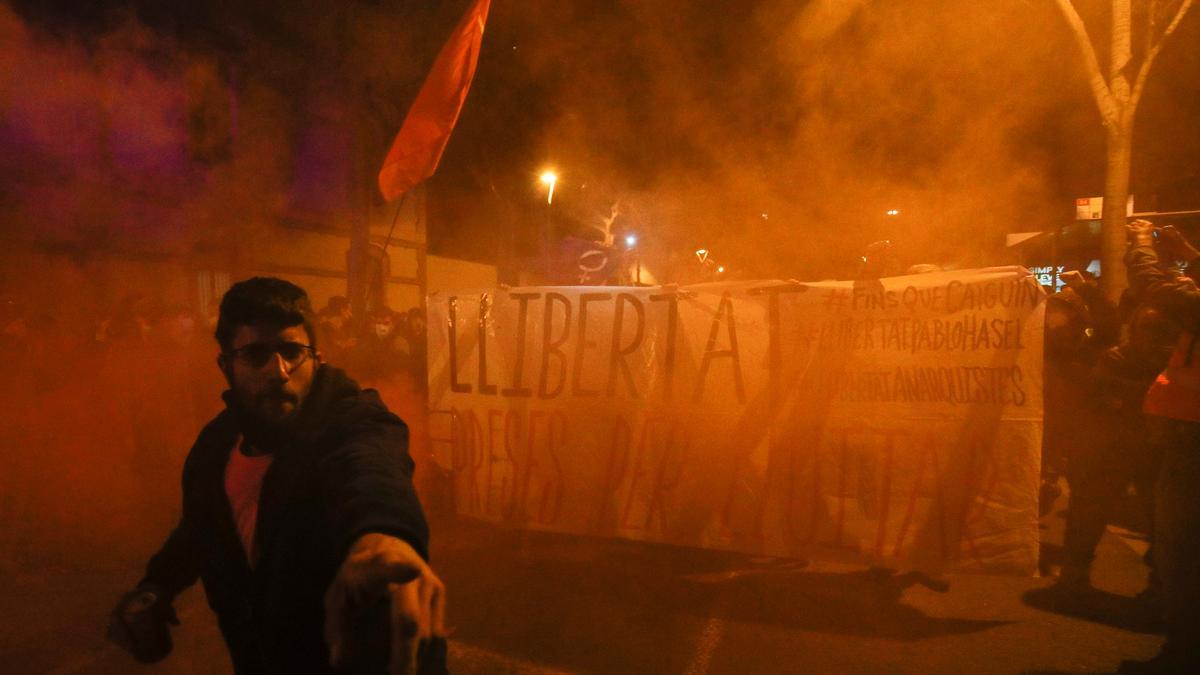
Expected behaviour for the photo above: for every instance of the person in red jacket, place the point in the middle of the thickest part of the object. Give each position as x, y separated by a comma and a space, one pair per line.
1172, 406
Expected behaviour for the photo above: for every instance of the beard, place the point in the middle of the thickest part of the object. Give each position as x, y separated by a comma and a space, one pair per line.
268, 411
273, 411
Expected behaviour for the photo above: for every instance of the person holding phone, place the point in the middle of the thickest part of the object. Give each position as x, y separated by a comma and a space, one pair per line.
1172, 406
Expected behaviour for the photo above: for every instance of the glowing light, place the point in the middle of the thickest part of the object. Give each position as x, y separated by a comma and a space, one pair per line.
702, 254
720, 269
893, 212
549, 178
631, 240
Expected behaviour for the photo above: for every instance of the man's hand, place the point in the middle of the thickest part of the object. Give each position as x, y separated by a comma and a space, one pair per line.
1175, 245
139, 625
379, 566
1074, 279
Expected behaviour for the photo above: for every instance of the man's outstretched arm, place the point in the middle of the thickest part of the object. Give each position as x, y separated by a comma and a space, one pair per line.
380, 568
382, 539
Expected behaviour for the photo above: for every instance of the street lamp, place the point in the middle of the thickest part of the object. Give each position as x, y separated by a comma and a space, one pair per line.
631, 241
549, 178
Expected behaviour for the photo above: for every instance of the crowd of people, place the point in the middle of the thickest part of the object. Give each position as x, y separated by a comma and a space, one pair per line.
383, 343
102, 402
1122, 418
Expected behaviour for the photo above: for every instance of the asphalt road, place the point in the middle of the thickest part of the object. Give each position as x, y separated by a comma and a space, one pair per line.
535, 603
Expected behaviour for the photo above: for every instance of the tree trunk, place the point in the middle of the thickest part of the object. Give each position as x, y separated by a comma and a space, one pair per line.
1119, 143
1116, 193
1117, 99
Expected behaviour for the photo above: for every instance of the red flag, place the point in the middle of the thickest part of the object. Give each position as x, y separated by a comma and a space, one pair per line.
418, 147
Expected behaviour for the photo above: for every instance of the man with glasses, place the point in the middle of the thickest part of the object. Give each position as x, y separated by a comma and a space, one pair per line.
299, 514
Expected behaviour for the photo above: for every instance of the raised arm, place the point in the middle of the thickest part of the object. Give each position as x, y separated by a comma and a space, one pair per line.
1178, 297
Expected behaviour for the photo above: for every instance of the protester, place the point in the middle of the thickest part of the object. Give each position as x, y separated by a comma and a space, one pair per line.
1121, 454
1074, 341
381, 351
133, 320
876, 261
336, 330
416, 341
1172, 404
299, 515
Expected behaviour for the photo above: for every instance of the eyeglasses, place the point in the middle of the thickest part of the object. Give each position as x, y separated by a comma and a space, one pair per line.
258, 354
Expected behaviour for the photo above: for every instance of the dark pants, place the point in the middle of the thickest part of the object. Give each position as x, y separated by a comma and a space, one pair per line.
1099, 477
1177, 534
1097, 485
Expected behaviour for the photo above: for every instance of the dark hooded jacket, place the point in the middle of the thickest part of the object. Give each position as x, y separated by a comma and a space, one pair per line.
344, 471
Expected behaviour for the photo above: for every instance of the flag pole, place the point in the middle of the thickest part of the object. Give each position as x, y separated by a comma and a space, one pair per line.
383, 251
399, 208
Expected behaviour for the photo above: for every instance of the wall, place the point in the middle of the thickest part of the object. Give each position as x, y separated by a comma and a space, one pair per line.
450, 273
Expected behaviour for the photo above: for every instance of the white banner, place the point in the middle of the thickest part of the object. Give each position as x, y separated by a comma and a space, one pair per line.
896, 421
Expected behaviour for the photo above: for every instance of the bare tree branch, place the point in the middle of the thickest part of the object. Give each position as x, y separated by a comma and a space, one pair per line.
1151, 22
1156, 11
1104, 99
1152, 52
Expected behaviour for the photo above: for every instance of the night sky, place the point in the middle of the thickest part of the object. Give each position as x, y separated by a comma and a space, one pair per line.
775, 133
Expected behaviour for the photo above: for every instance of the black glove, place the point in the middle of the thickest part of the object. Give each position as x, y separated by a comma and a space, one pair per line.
139, 624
